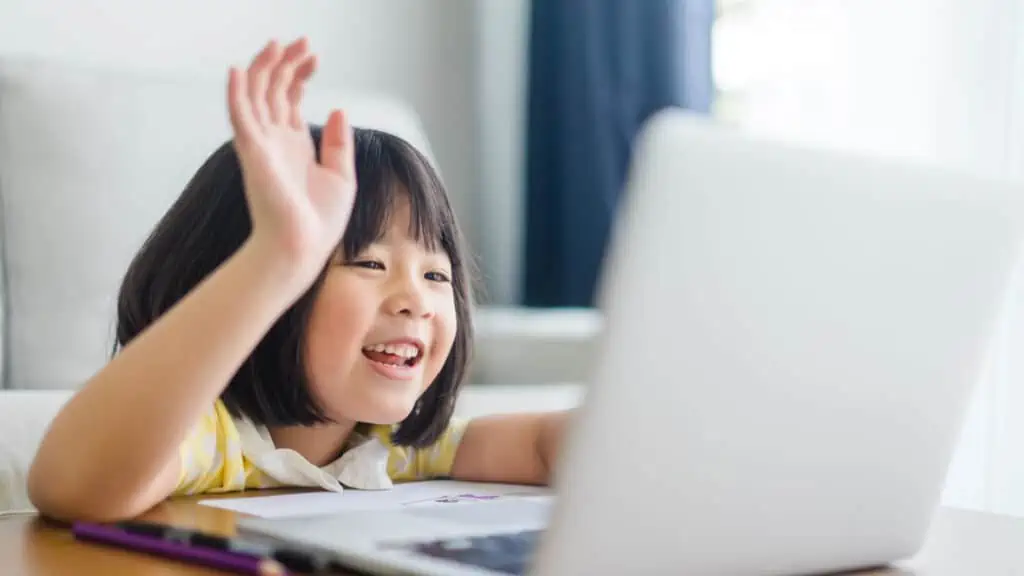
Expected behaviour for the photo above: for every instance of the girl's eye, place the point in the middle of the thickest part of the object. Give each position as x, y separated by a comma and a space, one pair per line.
371, 264
438, 277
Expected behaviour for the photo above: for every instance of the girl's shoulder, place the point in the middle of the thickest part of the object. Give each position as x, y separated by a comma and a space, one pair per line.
211, 455
215, 422
407, 463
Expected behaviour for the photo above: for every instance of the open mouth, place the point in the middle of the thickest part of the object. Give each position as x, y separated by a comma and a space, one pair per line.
402, 354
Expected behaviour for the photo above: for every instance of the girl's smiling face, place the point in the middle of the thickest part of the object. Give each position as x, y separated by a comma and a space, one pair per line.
382, 325
400, 286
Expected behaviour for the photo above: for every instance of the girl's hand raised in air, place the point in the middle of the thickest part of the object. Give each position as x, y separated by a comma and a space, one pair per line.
299, 207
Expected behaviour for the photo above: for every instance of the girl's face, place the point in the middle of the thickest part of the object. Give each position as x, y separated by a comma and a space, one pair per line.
381, 328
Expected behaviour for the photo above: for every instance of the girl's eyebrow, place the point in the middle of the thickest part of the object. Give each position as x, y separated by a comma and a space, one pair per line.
439, 257
441, 260
439, 253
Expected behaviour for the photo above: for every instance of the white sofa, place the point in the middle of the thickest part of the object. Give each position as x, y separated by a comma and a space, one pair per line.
89, 160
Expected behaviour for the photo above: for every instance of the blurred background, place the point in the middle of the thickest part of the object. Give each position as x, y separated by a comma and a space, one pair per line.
524, 102
531, 108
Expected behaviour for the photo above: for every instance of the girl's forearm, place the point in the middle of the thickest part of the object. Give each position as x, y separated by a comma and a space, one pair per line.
551, 439
121, 431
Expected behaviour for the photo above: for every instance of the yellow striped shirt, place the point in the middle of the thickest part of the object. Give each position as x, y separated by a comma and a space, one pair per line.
214, 460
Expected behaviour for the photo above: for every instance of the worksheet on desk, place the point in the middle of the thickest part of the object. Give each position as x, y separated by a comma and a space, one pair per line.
427, 493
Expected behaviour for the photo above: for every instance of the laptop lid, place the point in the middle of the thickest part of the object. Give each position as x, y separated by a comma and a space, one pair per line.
792, 339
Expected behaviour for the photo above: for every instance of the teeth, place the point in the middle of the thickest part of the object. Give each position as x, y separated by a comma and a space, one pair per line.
403, 350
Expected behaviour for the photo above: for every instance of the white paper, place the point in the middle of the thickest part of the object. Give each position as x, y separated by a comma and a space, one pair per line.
429, 493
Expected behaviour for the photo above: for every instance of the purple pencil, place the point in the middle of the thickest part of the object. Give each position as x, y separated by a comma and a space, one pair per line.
220, 559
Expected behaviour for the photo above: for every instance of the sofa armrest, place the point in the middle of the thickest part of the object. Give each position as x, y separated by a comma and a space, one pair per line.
24, 418
481, 399
534, 346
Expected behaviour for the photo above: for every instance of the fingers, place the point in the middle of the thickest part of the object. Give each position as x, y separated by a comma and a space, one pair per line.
337, 151
270, 90
281, 77
239, 107
258, 79
302, 74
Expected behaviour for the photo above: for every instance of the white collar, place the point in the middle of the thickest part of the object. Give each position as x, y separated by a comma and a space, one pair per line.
364, 466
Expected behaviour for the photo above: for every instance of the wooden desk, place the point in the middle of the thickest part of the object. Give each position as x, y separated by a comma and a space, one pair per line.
960, 543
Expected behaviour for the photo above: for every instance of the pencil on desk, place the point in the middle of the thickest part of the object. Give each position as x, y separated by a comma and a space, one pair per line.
293, 559
220, 559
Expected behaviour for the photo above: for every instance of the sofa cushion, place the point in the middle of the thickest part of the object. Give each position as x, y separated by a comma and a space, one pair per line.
90, 159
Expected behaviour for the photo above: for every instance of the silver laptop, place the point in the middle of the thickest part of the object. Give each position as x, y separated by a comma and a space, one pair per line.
792, 337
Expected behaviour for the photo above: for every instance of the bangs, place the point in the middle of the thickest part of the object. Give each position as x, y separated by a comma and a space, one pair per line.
388, 171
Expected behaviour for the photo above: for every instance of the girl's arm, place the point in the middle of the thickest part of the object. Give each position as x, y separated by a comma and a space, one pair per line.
112, 450
510, 448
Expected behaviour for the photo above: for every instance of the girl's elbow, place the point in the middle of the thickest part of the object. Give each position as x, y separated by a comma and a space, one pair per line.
53, 498
55, 495
45, 492
71, 506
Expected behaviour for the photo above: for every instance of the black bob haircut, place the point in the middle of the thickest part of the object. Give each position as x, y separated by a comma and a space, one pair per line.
210, 221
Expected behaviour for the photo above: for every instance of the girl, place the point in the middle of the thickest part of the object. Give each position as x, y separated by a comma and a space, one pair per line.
299, 317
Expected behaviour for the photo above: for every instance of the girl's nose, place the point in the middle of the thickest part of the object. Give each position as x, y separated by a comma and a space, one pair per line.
409, 300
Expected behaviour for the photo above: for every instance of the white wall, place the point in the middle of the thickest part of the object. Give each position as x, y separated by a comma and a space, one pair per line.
502, 44
420, 51
853, 75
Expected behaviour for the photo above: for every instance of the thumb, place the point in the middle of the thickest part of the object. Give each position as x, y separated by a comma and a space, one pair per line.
336, 147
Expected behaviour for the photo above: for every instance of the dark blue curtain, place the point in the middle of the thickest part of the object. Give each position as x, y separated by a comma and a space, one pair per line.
597, 70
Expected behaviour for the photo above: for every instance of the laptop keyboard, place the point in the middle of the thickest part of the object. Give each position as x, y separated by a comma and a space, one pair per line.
507, 553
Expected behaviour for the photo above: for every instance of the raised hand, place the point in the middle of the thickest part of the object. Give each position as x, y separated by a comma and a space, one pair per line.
299, 207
